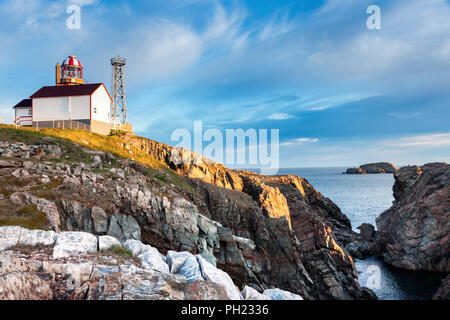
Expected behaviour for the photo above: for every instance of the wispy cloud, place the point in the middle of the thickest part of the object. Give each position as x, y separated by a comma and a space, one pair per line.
280, 116
327, 102
280, 24
298, 141
427, 141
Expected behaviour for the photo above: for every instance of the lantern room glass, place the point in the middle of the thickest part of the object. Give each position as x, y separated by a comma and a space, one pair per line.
68, 72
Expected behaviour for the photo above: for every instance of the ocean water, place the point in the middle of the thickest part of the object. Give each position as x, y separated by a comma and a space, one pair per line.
362, 198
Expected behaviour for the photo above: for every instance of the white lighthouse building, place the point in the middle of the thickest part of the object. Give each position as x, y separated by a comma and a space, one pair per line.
70, 104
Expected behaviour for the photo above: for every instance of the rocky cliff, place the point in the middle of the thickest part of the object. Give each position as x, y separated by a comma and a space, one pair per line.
265, 232
414, 233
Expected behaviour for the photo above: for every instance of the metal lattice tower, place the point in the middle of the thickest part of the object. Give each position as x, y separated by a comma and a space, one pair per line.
119, 109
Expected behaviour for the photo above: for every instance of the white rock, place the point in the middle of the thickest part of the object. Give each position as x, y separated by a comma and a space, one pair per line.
278, 294
10, 236
176, 259
6, 244
185, 264
251, 294
74, 243
76, 273
38, 237
209, 272
151, 259
106, 242
134, 246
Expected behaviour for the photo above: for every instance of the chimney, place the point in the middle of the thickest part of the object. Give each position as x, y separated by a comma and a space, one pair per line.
58, 74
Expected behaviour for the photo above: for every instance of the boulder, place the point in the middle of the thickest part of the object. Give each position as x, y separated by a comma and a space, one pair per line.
74, 273
176, 259
38, 237
10, 236
106, 242
74, 243
134, 246
185, 264
367, 231
278, 294
251, 294
151, 259
209, 272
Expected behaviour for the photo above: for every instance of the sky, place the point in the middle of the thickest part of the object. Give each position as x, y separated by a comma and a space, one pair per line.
339, 93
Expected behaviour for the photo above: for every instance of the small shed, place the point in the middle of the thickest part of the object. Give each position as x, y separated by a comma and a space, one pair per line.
23, 113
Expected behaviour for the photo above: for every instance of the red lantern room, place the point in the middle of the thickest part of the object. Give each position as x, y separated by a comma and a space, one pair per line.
70, 73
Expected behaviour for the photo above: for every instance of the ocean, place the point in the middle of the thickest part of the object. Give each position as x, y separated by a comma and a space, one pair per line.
362, 198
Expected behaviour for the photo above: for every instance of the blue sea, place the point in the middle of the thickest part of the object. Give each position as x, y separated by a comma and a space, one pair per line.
362, 198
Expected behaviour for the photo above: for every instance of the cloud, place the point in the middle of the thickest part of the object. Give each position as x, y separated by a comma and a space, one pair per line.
327, 102
224, 24
280, 24
83, 2
421, 141
413, 37
161, 48
280, 116
299, 141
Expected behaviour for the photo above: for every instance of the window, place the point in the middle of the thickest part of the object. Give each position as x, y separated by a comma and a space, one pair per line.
95, 110
30, 113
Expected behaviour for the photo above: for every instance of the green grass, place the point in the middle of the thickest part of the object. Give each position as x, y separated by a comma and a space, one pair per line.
120, 251
162, 178
112, 144
28, 217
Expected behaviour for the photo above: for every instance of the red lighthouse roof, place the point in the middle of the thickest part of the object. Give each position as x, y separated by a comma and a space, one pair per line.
72, 61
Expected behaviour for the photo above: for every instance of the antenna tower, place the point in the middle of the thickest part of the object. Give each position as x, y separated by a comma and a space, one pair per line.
119, 109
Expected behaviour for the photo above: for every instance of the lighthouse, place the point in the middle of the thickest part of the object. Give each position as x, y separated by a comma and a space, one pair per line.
69, 104
70, 73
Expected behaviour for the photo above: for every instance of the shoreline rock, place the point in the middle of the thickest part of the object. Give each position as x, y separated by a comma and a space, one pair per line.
415, 231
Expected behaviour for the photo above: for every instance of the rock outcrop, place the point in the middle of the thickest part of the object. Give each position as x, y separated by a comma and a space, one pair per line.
355, 171
33, 272
415, 231
373, 168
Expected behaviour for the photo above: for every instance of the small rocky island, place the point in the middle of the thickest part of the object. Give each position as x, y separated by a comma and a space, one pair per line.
373, 168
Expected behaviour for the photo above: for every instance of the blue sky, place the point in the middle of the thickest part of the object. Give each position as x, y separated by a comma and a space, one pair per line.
341, 94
